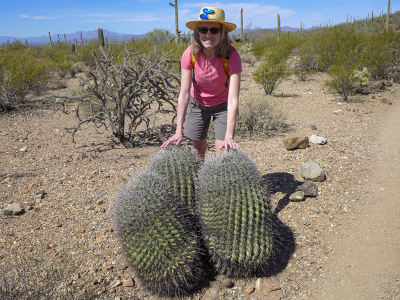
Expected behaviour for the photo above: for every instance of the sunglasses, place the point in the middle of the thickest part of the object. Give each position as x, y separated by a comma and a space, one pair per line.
213, 30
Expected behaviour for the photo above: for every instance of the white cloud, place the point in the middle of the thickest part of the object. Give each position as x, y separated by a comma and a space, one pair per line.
41, 17
120, 18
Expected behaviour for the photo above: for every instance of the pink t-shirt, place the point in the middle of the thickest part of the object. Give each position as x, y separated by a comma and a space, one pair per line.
211, 79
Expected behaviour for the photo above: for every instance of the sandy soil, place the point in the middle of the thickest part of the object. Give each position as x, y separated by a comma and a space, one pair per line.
343, 244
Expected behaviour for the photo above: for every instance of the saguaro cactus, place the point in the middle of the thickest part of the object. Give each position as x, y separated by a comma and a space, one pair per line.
100, 37
278, 29
157, 235
234, 214
387, 16
51, 43
241, 24
176, 21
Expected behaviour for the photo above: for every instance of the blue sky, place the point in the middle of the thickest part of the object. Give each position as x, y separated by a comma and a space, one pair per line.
33, 18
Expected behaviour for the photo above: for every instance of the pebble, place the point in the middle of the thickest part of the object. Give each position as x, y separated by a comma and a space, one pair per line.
128, 282
250, 289
226, 282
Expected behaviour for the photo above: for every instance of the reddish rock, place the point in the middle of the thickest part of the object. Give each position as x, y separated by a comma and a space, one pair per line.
128, 282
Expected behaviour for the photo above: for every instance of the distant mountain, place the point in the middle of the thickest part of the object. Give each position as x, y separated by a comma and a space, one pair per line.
113, 37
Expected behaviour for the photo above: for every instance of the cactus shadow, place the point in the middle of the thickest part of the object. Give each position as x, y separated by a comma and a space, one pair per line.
283, 235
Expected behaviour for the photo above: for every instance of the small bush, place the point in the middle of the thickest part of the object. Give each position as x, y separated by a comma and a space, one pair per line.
21, 73
259, 116
270, 74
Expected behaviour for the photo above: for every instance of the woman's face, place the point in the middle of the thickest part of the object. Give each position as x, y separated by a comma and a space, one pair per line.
209, 40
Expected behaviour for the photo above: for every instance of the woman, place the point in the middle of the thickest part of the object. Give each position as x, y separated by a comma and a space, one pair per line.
210, 93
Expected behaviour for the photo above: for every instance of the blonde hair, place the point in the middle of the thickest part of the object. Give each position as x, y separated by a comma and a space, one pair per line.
223, 48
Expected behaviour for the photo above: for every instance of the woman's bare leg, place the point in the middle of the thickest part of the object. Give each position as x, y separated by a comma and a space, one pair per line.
200, 147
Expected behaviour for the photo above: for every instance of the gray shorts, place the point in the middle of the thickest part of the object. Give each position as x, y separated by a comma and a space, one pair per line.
198, 119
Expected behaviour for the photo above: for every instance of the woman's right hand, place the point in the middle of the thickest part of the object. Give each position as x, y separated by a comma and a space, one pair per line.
177, 138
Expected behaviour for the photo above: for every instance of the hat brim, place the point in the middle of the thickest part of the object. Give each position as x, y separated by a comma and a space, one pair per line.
229, 27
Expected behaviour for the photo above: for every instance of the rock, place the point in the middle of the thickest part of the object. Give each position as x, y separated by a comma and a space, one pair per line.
296, 143
122, 267
76, 276
309, 188
386, 101
115, 283
297, 196
128, 282
259, 284
40, 195
211, 294
23, 149
226, 282
313, 127
250, 289
13, 209
311, 170
83, 155
338, 112
315, 139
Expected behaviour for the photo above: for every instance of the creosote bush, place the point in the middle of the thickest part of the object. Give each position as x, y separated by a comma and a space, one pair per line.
259, 117
21, 74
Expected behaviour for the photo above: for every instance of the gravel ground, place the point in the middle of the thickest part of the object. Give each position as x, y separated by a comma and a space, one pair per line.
70, 228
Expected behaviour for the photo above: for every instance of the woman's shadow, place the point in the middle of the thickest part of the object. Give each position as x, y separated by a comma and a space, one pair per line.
283, 237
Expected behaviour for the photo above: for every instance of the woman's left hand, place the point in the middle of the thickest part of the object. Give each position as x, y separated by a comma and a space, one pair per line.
228, 144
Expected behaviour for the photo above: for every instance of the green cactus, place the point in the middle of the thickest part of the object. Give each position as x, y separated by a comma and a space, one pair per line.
157, 236
51, 43
387, 16
179, 166
234, 214
100, 37
241, 25
177, 32
278, 29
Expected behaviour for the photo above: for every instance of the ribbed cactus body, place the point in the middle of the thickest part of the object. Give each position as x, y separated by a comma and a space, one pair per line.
179, 166
157, 236
100, 37
235, 214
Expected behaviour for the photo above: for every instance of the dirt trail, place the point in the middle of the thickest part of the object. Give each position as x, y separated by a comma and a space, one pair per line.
366, 262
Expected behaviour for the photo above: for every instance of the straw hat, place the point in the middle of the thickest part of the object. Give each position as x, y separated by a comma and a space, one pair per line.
211, 14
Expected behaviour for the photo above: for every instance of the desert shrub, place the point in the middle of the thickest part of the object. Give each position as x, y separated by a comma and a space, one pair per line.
21, 73
380, 54
262, 44
271, 73
305, 62
156, 36
123, 97
259, 116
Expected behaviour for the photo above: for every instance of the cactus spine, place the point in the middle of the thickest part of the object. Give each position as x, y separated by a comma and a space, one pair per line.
100, 37
278, 29
176, 21
179, 166
156, 235
387, 16
235, 214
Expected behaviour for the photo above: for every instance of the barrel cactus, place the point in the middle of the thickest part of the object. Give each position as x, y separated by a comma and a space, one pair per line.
157, 235
234, 214
179, 166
